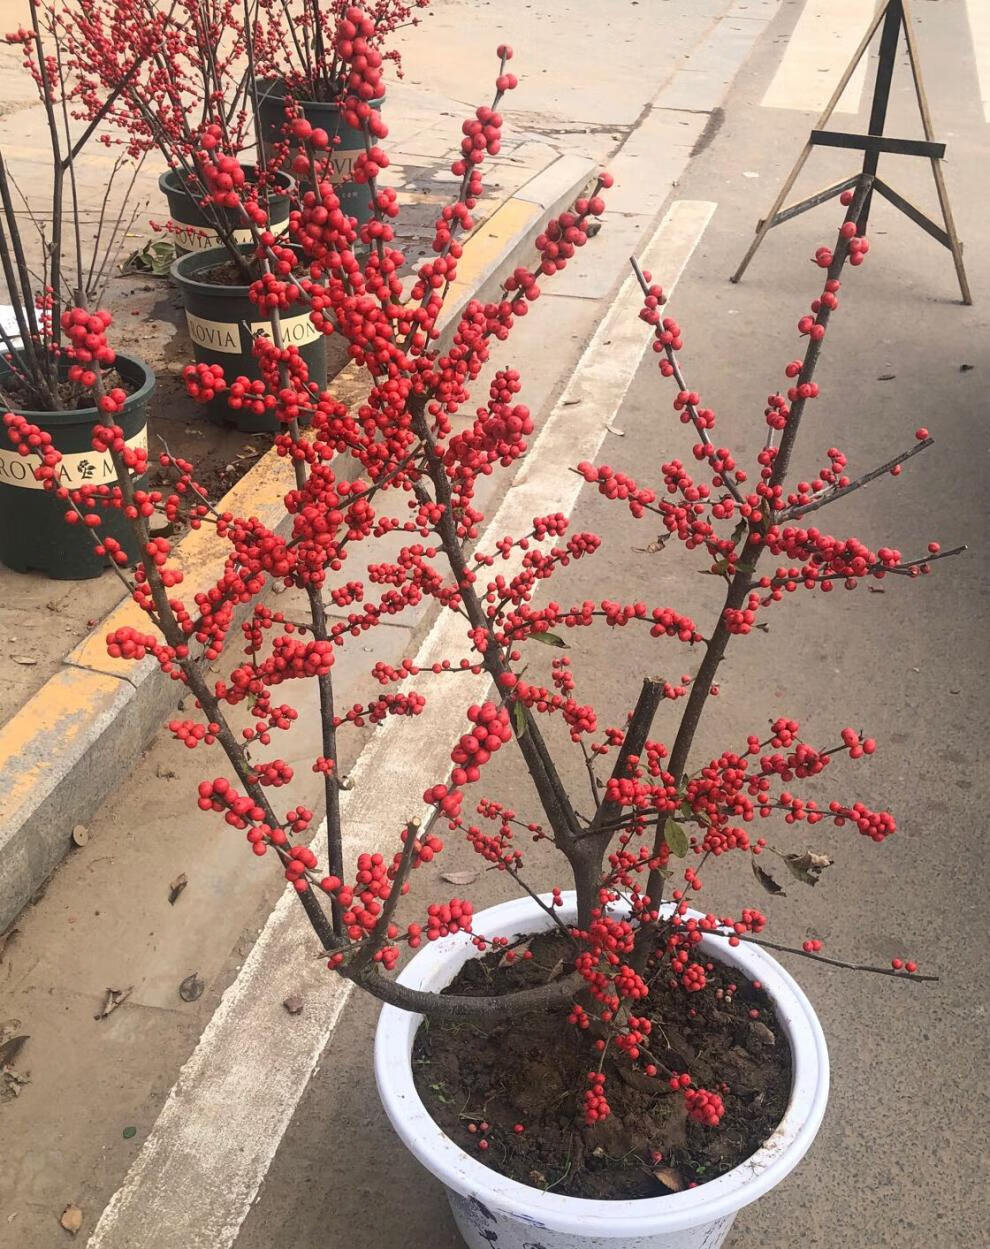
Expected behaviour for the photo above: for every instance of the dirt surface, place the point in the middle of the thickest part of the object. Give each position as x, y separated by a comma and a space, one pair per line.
480, 1083
229, 274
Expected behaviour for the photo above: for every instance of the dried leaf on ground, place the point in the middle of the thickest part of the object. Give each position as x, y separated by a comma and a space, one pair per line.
192, 988
155, 257
25, 660
10, 1049
114, 999
459, 878
176, 887
293, 1003
72, 1219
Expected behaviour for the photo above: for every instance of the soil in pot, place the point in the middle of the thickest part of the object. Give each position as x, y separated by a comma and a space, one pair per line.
534, 1071
70, 396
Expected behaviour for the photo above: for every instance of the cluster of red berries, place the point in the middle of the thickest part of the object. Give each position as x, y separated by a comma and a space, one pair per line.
596, 1105
203, 382
474, 749
704, 1107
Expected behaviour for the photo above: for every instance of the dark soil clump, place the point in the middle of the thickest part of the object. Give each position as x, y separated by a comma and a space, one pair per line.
21, 395
534, 1072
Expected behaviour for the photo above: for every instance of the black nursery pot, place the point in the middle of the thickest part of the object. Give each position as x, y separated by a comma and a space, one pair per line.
193, 230
355, 197
222, 322
34, 535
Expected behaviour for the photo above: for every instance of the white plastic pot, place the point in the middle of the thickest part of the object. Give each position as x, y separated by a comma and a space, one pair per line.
491, 1210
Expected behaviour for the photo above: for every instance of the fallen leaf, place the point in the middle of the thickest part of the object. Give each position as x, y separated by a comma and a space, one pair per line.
191, 988
72, 1218
621, 433
25, 660
80, 834
165, 773
886, 377
670, 1179
129, 1132
765, 879
965, 368
293, 1004
10, 1049
807, 867
762, 1032
114, 999
175, 888
459, 878
155, 257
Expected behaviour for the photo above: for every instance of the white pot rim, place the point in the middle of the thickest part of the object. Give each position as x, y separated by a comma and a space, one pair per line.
434, 967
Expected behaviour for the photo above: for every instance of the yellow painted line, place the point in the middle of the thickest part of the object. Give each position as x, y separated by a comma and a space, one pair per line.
821, 45
54, 721
978, 12
488, 242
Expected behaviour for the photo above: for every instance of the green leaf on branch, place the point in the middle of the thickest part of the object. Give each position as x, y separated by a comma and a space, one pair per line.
676, 837
807, 867
519, 718
548, 639
766, 880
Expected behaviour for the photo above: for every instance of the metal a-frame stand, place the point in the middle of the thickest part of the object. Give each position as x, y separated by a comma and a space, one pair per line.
895, 17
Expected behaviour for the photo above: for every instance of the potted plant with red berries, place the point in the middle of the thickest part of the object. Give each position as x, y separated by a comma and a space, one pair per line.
174, 78
58, 373
180, 79
663, 1047
318, 102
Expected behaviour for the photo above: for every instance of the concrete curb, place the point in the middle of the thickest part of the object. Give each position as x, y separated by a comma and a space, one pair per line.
69, 746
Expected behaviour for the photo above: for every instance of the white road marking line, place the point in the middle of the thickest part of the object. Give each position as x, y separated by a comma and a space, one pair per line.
202, 1164
819, 49
978, 12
